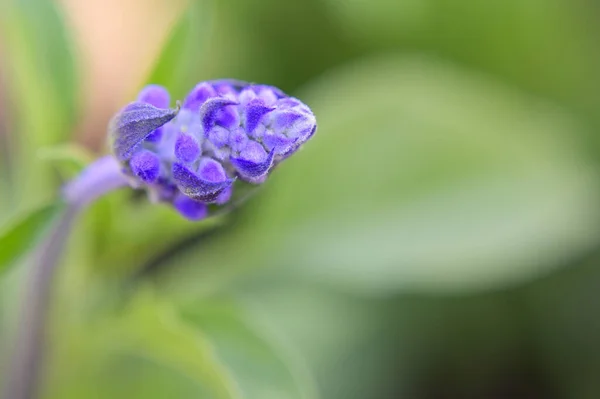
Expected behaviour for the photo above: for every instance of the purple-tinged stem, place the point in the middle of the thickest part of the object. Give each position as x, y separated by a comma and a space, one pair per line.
24, 374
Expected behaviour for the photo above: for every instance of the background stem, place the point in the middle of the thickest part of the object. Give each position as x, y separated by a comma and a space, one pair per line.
24, 374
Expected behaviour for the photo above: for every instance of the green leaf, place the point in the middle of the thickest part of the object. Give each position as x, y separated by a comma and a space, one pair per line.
152, 350
431, 178
145, 350
260, 362
561, 64
68, 158
178, 65
421, 176
154, 331
41, 83
22, 234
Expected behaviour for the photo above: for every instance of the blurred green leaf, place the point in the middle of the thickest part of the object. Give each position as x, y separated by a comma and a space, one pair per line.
421, 176
431, 177
260, 364
68, 158
22, 234
177, 66
154, 331
144, 351
41, 81
547, 46
149, 350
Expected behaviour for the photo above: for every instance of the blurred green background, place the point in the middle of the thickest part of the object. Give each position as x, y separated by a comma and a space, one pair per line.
438, 238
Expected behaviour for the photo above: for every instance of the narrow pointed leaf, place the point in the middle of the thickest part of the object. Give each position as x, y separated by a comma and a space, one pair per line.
133, 124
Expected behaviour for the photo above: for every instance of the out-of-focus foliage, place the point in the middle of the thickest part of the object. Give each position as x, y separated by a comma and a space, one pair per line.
437, 239
21, 235
183, 54
42, 80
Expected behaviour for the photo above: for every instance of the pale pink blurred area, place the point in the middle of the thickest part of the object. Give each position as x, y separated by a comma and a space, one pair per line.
116, 44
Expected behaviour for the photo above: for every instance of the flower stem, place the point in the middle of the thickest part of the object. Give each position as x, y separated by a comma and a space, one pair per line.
25, 371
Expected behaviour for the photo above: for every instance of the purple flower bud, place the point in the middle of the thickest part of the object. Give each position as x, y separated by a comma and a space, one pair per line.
155, 136
218, 135
210, 109
253, 160
155, 95
202, 92
238, 139
146, 166
226, 130
190, 209
187, 148
254, 111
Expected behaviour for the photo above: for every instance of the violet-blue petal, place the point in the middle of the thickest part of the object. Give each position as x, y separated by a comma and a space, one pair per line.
238, 139
197, 97
304, 137
187, 148
278, 142
255, 110
224, 87
218, 136
228, 117
211, 170
133, 124
252, 162
225, 196
195, 187
155, 95
156, 136
286, 119
268, 94
246, 96
190, 209
209, 111
146, 166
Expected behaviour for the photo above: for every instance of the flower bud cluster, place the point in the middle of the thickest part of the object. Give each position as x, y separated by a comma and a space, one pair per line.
225, 130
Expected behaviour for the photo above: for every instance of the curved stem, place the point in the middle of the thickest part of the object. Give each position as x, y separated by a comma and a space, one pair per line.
25, 367
22, 382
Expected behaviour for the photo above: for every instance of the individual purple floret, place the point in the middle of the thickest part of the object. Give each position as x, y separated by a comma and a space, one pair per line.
225, 131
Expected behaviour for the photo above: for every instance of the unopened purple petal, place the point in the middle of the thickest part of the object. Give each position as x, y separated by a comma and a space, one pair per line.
224, 87
187, 148
255, 110
195, 187
133, 124
155, 95
190, 209
286, 119
225, 196
198, 96
228, 117
211, 170
209, 111
218, 136
268, 94
252, 162
278, 142
246, 96
238, 139
155, 136
146, 166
